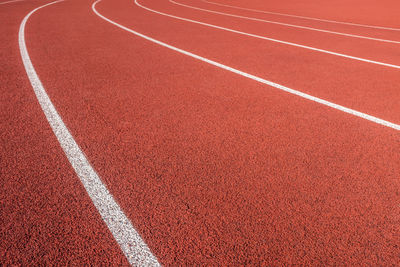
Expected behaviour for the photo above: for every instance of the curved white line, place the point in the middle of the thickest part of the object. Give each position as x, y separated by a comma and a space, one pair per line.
303, 17
253, 77
117, 222
269, 39
13, 1
288, 25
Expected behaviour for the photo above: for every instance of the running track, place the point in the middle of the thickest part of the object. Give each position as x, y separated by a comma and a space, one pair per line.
196, 137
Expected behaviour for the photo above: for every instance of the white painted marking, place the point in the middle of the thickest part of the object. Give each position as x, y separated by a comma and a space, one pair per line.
121, 228
269, 39
253, 77
288, 25
13, 1
303, 17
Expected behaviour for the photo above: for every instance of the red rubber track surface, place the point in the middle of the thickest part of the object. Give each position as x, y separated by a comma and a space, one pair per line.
211, 168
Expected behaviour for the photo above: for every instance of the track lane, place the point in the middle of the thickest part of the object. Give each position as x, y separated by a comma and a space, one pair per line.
383, 54
46, 217
219, 170
391, 33
338, 12
255, 78
285, 24
356, 85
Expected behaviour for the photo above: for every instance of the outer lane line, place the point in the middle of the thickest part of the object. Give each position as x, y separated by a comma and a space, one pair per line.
288, 25
13, 1
269, 39
253, 77
303, 17
117, 222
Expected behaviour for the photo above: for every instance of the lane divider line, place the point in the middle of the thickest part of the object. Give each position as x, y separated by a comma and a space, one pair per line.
287, 24
253, 77
117, 222
269, 39
303, 17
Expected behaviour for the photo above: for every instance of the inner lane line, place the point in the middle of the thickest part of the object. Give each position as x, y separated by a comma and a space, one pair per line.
129, 240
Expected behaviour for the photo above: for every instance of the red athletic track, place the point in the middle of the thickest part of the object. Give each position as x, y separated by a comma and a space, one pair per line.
211, 168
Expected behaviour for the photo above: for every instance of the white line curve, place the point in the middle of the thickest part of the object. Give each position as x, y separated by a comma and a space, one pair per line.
269, 39
253, 77
304, 17
287, 24
129, 240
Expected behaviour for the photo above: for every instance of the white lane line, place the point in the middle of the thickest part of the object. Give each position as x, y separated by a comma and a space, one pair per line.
13, 1
303, 17
269, 39
121, 228
288, 25
253, 77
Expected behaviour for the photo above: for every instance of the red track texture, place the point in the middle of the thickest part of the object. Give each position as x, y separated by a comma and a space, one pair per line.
211, 168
